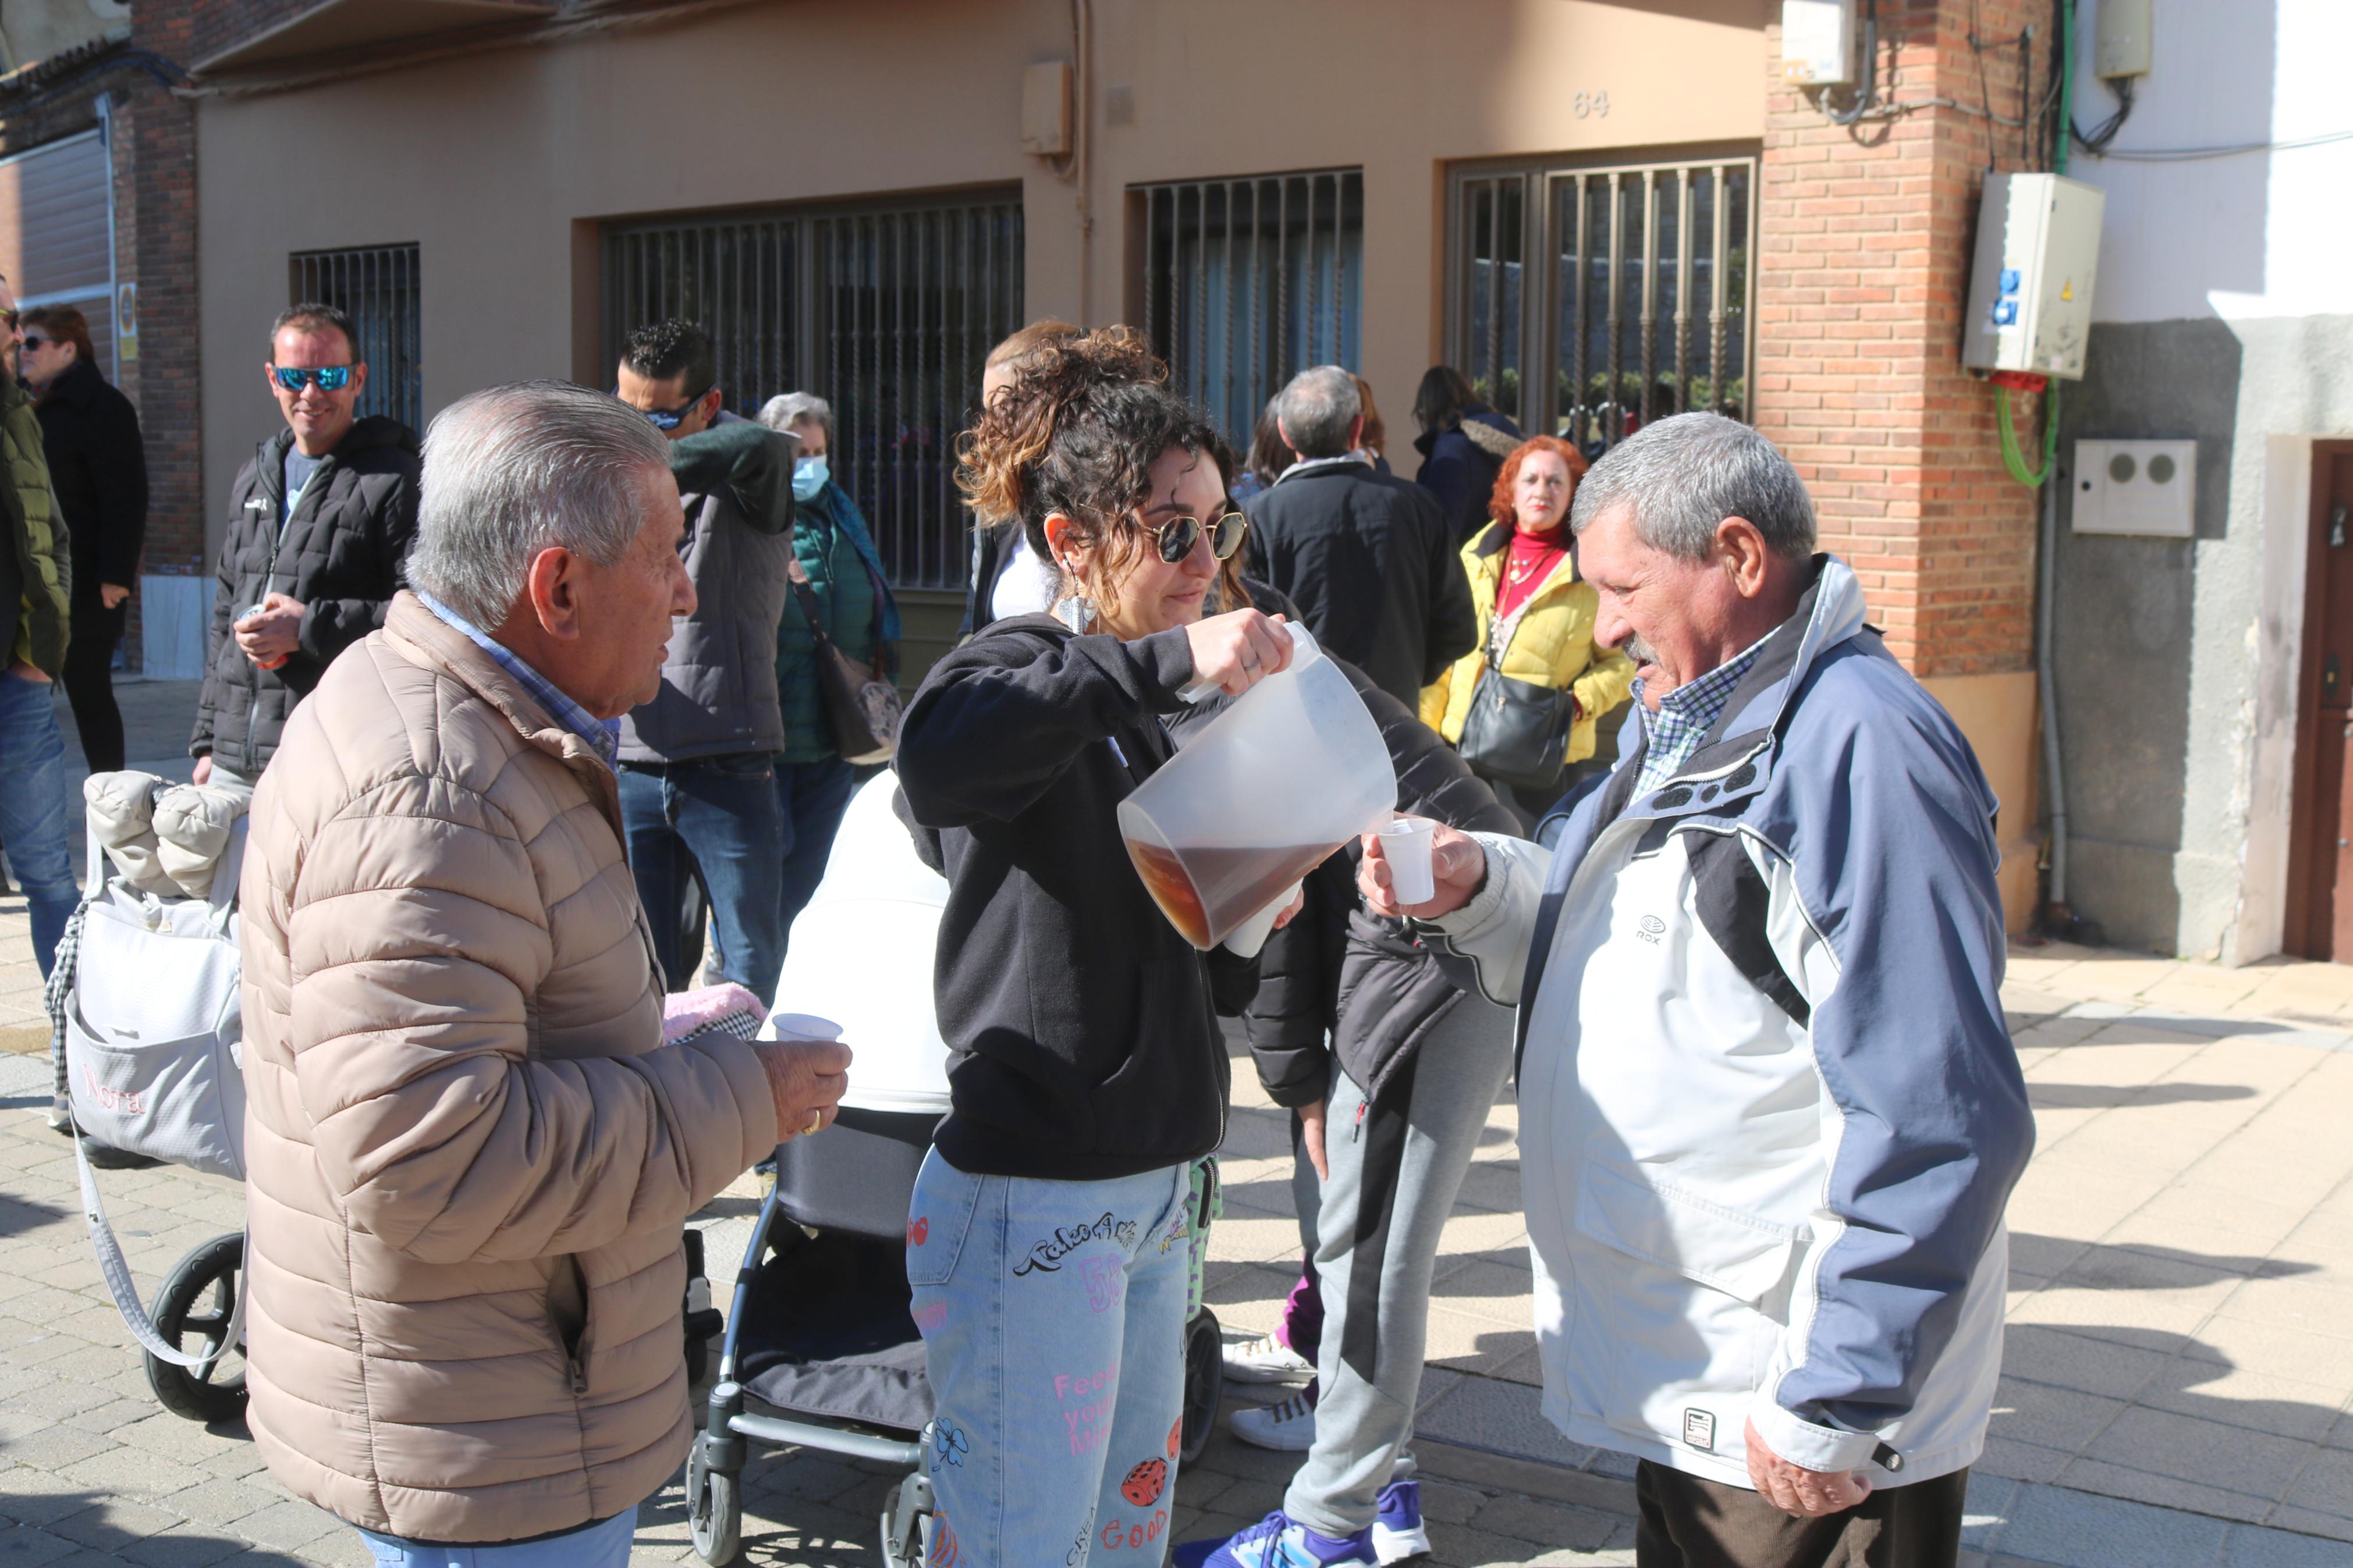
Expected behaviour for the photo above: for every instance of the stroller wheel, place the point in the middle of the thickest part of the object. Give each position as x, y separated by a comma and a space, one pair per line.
1205, 1382
195, 1304
907, 1524
714, 1510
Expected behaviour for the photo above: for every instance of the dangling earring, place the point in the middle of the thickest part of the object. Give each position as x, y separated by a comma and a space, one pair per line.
1078, 611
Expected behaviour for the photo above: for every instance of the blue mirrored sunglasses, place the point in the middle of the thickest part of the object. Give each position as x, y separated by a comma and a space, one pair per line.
330, 378
671, 418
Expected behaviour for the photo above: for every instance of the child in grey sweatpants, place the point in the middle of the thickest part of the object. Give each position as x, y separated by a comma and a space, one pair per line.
1396, 1165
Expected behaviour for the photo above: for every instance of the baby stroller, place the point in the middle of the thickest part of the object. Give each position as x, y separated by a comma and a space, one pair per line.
820, 1349
143, 1002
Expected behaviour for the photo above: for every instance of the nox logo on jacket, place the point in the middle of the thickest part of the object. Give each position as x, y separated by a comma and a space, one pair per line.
1046, 1257
1651, 928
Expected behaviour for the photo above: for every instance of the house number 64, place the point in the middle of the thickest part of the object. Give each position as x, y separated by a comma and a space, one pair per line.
1595, 104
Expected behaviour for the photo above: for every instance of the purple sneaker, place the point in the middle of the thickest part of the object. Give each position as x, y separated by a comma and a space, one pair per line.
1278, 1540
1398, 1533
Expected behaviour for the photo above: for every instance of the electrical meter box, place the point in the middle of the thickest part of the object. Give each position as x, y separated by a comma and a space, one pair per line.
2136, 486
2030, 289
1818, 42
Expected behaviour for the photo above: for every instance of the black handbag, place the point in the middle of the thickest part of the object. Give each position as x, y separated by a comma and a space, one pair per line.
1516, 731
861, 703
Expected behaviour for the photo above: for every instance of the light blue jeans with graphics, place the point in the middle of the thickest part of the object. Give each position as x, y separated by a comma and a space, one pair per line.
1053, 1321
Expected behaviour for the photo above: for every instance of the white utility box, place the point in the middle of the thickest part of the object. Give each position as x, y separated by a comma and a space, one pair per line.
2136, 486
2030, 289
2120, 43
1818, 42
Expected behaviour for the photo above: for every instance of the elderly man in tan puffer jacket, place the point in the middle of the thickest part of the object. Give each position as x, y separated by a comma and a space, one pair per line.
470, 1150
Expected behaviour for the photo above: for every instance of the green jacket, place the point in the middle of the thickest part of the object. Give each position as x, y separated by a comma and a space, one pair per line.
36, 567
844, 593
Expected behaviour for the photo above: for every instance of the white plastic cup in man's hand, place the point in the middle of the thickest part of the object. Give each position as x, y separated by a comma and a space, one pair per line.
802, 1028
1406, 844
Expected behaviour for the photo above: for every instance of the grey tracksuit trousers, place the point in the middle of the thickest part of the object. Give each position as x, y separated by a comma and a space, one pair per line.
1395, 1168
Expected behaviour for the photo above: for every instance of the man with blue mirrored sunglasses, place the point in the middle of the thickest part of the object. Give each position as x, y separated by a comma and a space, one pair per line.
320, 523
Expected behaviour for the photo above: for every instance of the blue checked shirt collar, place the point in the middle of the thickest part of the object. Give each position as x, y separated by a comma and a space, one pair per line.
1685, 715
602, 735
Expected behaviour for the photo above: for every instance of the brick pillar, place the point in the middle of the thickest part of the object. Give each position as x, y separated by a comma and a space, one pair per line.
160, 253
1863, 275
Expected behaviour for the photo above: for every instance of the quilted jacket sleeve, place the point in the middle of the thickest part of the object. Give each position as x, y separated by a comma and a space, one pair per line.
418, 933
386, 508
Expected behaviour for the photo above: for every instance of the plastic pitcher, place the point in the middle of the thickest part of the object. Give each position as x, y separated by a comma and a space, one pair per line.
1292, 771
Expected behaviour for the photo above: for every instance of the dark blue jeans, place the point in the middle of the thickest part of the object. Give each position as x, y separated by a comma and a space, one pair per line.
811, 798
36, 811
714, 818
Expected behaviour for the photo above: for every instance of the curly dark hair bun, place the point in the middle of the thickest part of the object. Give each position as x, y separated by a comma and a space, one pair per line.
1077, 434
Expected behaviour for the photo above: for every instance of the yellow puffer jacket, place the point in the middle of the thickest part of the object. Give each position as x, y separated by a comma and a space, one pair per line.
1552, 646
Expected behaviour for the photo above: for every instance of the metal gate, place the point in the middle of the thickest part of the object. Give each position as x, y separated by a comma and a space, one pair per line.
1641, 298
1245, 282
885, 311
377, 287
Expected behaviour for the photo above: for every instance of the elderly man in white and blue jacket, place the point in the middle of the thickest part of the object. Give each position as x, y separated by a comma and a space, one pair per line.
1769, 1113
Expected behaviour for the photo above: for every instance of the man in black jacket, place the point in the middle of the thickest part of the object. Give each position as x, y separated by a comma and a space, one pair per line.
1368, 559
698, 774
98, 472
320, 526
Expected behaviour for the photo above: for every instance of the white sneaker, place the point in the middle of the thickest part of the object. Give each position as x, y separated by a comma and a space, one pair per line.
1265, 1358
1287, 1428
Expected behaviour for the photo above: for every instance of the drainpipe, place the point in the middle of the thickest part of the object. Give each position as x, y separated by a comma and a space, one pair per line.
105, 103
2056, 912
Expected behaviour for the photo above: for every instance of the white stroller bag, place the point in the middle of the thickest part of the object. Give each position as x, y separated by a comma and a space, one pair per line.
145, 998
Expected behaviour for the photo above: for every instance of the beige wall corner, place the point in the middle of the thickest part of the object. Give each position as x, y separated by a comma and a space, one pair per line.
1997, 713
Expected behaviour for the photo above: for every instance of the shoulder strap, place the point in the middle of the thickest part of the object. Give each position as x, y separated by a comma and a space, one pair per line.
116, 1270
1733, 904
810, 609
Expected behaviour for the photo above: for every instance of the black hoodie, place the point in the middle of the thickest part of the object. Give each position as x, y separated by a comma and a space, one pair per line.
340, 554
1083, 1029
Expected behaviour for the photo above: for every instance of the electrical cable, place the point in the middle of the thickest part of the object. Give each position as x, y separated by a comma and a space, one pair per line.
2191, 154
2013, 456
2096, 139
1866, 95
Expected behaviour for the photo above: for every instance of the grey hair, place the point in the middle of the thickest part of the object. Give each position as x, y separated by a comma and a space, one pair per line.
513, 470
784, 410
1685, 475
1318, 408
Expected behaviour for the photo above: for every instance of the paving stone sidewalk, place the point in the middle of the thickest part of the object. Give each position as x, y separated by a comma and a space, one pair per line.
2179, 1383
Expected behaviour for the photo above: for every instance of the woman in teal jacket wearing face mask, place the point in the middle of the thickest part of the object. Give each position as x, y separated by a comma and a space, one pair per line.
855, 604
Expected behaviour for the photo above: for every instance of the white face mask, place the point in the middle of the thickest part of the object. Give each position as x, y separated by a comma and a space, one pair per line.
810, 475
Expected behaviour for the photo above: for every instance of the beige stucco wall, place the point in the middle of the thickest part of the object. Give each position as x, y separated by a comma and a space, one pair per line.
488, 163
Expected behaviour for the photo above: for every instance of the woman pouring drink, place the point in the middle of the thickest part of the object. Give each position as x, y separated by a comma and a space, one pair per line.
1045, 1241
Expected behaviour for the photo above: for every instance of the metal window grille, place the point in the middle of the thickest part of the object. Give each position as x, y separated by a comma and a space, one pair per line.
1247, 281
376, 287
886, 312
1642, 292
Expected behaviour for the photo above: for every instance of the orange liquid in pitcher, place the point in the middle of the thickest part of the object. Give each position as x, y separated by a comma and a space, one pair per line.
1235, 883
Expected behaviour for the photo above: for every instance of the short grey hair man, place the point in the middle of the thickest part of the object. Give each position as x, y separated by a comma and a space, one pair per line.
788, 409
1685, 475
1320, 412
514, 470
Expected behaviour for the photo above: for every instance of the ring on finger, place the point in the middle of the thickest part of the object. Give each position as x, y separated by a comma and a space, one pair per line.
817, 1122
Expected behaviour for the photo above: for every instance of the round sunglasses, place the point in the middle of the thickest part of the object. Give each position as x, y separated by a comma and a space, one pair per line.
1177, 537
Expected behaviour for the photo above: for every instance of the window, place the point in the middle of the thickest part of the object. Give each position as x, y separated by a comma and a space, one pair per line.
1246, 282
1639, 304
885, 311
376, 287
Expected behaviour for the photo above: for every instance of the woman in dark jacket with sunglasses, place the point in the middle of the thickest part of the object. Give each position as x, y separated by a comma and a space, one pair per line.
1046, 1241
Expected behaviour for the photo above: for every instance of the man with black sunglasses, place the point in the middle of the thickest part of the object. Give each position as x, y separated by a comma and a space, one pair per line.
698, 764
320, 521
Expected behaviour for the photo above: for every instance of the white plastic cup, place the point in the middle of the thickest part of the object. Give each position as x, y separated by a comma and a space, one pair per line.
1407, 844
800, 1027
1252, 934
